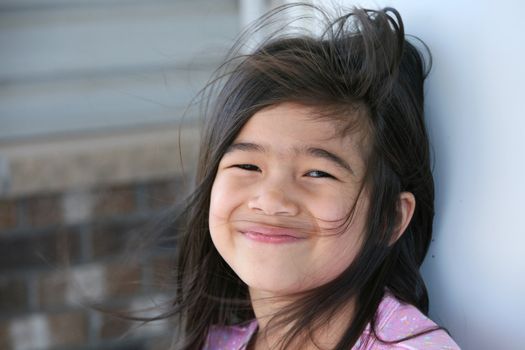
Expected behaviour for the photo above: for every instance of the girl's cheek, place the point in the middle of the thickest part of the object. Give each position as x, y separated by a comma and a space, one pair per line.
217, 193
224, 194
331, 213
333, 206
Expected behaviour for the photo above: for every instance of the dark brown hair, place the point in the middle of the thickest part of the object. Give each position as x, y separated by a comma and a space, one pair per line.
360, 61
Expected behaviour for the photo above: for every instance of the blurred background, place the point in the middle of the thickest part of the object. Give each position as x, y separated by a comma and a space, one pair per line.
92, 101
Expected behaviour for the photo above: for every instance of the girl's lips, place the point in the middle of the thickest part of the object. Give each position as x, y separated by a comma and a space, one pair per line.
267, 234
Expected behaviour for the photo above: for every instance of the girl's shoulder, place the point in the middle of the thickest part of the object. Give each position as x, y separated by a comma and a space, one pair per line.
230, 337
397, 320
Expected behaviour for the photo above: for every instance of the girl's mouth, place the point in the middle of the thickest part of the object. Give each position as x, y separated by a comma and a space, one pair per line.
265, 234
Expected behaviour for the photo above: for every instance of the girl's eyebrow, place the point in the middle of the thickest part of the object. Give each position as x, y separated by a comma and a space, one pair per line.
311, 151
324, 154
245, 146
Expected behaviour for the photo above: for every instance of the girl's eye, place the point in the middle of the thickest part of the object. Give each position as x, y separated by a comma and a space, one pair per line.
249, 167
319, 173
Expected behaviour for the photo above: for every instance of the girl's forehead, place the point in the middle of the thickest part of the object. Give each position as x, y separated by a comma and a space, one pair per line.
291, 122
290, 130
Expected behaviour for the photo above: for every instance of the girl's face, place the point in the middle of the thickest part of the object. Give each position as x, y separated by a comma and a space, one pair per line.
281, 198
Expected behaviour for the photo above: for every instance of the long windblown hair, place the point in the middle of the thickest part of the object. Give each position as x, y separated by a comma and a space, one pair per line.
361, 61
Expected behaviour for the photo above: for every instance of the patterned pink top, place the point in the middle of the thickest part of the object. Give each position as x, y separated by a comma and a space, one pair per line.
396, 320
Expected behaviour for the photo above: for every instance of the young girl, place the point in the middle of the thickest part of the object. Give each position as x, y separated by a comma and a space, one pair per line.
313, 206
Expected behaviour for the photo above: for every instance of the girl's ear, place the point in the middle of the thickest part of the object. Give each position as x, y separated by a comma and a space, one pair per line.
406, 204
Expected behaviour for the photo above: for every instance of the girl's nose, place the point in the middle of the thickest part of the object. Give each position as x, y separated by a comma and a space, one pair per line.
273, 202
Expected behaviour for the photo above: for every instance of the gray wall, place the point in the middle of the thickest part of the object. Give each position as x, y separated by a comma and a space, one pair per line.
90, 65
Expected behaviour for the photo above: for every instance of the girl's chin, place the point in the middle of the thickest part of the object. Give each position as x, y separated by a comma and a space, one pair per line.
273, 287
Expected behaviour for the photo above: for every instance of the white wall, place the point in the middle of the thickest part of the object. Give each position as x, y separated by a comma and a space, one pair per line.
476, 266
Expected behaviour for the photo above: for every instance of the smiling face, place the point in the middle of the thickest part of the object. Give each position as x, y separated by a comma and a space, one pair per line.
281, 199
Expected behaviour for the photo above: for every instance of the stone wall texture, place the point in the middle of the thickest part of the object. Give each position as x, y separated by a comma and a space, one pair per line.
63, 252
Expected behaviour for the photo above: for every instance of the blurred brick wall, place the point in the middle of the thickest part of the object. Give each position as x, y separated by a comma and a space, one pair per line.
41, 302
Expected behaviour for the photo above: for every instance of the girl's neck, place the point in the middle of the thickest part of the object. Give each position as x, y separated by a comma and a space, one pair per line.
265, 305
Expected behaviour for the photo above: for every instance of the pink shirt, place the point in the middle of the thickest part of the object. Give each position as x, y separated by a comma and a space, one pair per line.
396, 320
